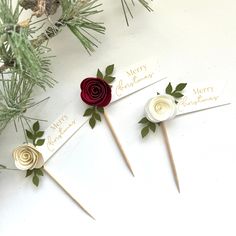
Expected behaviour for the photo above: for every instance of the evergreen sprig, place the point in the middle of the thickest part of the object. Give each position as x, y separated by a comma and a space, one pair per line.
29, 61
15, 99
24, 63
22, 66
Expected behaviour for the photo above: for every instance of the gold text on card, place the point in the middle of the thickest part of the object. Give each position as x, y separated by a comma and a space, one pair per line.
201, 95
60, 128
134, 77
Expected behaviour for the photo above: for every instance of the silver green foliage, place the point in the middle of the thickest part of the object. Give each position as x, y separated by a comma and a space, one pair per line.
24, 57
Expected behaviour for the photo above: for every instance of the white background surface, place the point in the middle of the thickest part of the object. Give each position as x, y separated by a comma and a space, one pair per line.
193, 40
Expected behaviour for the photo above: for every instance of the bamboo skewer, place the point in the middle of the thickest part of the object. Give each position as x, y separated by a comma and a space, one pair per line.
118, 143
68, 194
171, 159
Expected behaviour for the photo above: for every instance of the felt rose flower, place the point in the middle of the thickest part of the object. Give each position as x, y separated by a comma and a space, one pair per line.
27, 157
160, 108
95, 92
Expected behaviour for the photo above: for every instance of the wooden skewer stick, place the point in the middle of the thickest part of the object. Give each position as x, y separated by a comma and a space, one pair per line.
64, 190
171, 159
118, 143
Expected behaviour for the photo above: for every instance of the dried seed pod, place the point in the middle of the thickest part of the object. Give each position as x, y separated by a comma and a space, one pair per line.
39, 7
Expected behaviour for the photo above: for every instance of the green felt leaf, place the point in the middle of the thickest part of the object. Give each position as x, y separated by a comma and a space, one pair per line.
181, 86
92, 122
144, 131
28, 173
36, 126
2, 166
97, 116
169, 89
39, 134
177, 95
109, 69
40, 142
144, 120
89, 112
35, 180
109, 79
29, 135
99, 74
100, 109
38, 172
152, 127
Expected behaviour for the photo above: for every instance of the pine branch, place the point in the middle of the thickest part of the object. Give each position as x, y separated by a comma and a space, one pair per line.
76, 16
24, 63
23, 66
49, 33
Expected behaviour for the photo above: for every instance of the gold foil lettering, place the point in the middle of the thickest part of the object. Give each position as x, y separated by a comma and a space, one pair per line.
60, 127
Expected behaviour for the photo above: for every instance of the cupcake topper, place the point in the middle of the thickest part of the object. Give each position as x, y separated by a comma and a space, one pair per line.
97, 93
159, 109
165, 107
28, 157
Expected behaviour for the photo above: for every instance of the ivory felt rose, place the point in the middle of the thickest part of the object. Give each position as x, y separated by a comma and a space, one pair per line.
160, 108
27, 157
95, 92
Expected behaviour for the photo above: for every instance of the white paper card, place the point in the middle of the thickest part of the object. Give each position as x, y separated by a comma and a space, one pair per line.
61, 130
203, 95
136, 77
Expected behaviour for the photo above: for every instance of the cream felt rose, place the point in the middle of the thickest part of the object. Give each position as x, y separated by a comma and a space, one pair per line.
27, 157
160, 108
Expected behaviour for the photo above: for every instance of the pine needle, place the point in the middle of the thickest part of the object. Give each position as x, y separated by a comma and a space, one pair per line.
76, 15
126, 8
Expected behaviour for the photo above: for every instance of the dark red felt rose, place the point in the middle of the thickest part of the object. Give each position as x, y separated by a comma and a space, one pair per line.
95, 92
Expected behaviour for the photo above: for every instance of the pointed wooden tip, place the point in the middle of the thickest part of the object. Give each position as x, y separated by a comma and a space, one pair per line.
178, 188
82, 208
177, 183
132, 172
75, 200
118, 143
128, 165
90, 216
